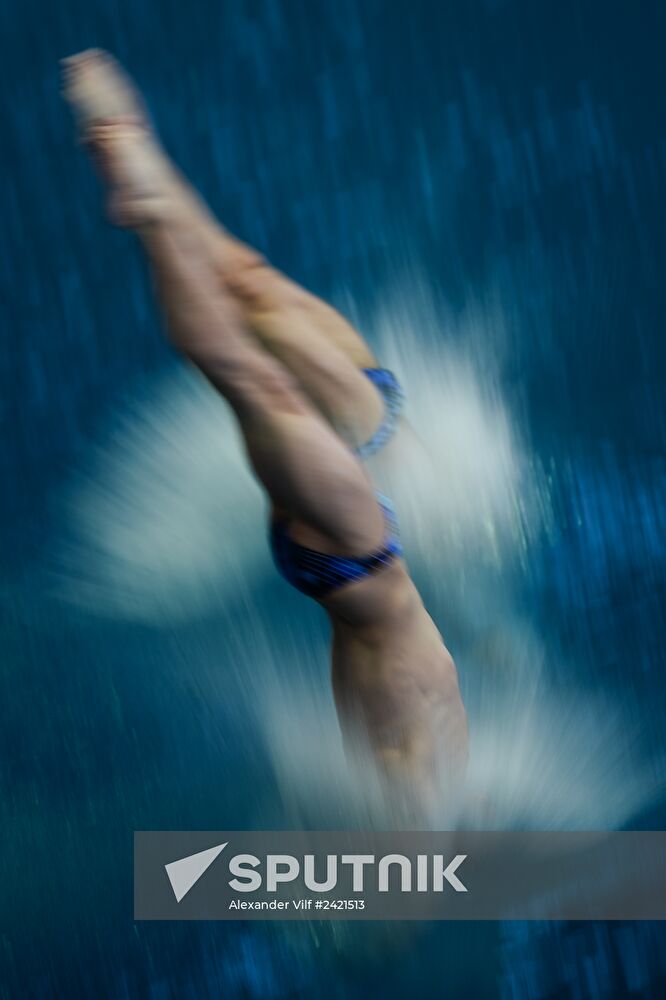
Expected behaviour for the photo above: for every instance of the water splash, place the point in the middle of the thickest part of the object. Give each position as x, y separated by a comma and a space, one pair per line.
166, 521
167, 524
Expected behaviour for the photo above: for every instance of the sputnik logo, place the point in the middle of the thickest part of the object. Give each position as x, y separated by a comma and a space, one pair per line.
249, 876
186, 872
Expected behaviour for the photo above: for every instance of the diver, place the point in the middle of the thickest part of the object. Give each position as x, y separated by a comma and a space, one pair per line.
313, 405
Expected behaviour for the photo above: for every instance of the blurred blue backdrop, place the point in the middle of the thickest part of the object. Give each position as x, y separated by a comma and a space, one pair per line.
518, 144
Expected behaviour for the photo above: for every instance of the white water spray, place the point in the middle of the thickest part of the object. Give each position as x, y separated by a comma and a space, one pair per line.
168, 524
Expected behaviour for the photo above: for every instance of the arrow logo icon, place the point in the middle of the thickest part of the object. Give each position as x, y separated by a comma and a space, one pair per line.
185, 872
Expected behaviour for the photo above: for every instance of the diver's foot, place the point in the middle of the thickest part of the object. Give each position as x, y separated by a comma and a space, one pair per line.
98, 88
142, 186
110, 113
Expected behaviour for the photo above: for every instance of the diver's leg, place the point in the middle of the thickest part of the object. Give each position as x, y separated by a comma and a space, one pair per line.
322, 350
314, 341
262, 288
305, 468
